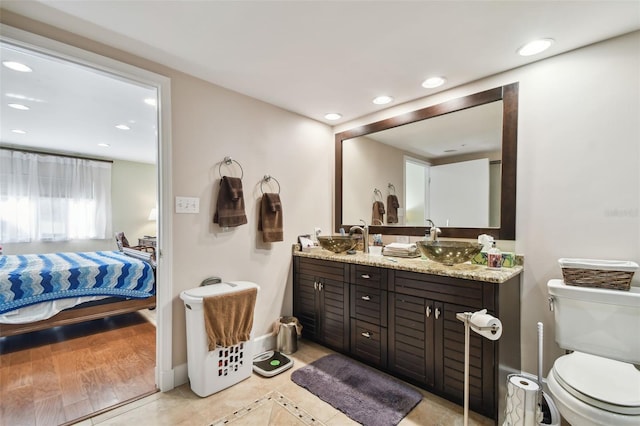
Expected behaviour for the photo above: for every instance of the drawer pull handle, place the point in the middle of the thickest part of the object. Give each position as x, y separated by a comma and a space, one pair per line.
437, 313
365, 276
428, 311
366, 334
367, 298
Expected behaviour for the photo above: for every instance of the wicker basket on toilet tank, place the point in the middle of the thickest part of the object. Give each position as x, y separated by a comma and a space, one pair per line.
609, 274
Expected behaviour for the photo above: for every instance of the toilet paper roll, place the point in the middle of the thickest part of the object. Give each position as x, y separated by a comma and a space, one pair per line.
522, 402
482, 319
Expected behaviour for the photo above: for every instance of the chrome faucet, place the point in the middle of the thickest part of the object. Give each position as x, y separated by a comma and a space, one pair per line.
433, 231
364, 229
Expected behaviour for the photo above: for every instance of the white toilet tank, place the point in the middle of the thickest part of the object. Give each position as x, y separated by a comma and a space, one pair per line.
597, 321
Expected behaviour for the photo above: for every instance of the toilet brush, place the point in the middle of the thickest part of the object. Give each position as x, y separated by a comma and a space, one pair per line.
543, 403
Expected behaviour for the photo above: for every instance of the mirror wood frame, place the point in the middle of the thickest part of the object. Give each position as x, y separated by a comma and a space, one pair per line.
509, 95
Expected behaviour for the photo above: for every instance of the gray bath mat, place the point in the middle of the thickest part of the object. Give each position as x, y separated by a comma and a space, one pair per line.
362, 393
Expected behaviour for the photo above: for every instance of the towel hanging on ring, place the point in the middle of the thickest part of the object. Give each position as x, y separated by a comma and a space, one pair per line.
230, 203
377, 213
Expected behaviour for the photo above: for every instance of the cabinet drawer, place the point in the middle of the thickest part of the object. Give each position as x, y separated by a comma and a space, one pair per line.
446, 289
369, 276
369, 304
322, 268
369, 342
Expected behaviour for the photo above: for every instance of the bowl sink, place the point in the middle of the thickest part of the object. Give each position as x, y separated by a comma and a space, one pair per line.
337, 243
449, 252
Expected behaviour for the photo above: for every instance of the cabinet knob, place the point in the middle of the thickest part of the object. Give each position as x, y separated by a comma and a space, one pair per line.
366, 334
320, 286
365, 276
428, 311
437, 313
367, 298
315, 285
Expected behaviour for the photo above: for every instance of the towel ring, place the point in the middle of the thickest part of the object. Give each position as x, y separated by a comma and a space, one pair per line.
228, 161
268, 178
390, 186
377, 193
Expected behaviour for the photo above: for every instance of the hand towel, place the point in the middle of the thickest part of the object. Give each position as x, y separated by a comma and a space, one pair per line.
377, 213
392, 209
270, 219
228, 318
230, 203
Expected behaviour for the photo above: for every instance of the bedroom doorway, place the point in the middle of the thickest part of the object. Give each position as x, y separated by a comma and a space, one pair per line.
144, 82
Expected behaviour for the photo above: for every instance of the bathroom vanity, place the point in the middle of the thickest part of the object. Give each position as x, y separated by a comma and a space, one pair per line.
400, 317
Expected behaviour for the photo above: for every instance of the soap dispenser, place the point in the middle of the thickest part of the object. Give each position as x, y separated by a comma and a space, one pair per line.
494, 257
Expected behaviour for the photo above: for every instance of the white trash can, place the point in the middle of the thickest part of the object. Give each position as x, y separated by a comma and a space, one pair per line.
212, 371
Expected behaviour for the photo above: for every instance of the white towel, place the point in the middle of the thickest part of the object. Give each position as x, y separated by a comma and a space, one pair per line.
402, 246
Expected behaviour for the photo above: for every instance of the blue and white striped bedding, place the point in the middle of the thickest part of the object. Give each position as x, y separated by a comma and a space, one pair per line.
33, 278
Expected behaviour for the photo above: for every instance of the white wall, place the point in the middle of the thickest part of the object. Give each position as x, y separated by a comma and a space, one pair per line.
578, 188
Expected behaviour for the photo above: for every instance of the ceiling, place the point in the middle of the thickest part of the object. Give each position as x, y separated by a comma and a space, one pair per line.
315, 57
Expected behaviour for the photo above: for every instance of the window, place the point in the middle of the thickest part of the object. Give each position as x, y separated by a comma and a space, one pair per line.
53, 198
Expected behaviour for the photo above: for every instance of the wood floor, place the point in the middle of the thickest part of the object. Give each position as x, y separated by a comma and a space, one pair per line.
56, 376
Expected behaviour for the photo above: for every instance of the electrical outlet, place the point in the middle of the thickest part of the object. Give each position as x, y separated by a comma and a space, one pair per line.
187, 205
402, 239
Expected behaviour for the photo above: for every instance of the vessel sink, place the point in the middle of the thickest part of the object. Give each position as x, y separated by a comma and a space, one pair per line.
449, 252
337, 243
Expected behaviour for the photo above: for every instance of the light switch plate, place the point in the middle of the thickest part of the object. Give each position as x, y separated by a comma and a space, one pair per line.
187, 205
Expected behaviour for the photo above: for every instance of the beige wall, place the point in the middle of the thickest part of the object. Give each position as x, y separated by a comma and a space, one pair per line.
371, 165
209, 123
133, 193
578, 186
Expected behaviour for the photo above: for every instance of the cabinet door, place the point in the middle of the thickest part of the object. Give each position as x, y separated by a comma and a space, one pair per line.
334, 313
306, 305
411, 336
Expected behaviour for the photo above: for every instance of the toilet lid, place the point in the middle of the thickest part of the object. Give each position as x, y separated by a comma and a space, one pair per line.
604, 383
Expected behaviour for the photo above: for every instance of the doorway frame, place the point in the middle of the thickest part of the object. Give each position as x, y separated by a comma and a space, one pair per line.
164, 374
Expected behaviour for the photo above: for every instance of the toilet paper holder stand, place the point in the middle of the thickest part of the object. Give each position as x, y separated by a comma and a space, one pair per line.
465, 317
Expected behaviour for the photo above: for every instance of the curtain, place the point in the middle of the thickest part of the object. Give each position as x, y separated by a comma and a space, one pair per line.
53, 198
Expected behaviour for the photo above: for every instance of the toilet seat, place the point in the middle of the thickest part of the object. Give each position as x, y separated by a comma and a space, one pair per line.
600, 382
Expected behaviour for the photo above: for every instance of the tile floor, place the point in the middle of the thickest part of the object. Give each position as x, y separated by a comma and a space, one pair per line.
260, 401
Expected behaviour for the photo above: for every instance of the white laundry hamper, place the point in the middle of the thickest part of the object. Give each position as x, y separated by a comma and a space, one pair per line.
212, 371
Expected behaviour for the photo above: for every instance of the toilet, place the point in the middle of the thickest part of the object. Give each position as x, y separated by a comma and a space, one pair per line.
599, 382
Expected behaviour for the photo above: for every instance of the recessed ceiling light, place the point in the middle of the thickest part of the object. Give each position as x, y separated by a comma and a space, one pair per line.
382, 100
19, 106
432, 82
333, 116
16, 66
123, 127
535, 46
151, 101
106, 145
19, 131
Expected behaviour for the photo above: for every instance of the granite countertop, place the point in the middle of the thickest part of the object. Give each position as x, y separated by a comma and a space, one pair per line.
463, 270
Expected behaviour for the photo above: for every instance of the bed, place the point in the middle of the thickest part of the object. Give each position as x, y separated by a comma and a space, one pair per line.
39, 291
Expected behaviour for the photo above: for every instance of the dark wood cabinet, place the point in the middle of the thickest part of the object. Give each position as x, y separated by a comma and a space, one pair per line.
405, 323
321, 301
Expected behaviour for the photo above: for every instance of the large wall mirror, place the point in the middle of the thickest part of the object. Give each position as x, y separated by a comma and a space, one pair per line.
453, 163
